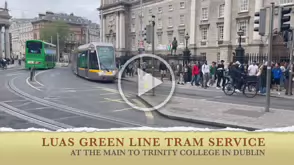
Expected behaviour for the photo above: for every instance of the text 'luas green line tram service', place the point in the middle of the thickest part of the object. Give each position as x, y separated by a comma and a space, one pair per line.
95, 61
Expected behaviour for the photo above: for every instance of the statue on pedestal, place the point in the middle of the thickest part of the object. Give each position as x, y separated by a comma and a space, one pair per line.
6, 6
174, 46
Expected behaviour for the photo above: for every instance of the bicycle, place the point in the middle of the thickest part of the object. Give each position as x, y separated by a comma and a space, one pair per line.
249, 86
3, 66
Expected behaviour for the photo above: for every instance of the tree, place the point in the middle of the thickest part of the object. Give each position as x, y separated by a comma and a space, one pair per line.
51, 30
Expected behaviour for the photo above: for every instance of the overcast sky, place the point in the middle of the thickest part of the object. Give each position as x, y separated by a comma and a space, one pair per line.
31, 8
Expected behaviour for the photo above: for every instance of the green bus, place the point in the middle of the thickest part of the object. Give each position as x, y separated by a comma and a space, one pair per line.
40, 55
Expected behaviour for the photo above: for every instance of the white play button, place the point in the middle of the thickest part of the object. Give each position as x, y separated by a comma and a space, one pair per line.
146, 82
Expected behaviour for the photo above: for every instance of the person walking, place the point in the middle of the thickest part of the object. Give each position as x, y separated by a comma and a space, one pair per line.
253, 69
287, 76
212, 70
195, 75
282, 80
262, 75
162, 68
220, 74
173, 67
205, 72
277, 73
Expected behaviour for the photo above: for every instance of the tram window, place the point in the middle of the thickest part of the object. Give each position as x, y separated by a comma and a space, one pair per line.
93, 60
106, 57
83, 60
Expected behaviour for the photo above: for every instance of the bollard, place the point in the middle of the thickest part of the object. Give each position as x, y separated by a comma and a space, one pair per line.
32, 74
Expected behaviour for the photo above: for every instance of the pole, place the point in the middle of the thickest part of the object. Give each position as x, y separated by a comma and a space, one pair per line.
291, 63
51, 40
58, 56
141, 35
101, 26
269, 69
87, 35
153, 52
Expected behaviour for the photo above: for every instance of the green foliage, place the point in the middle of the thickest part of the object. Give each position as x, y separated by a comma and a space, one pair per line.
52, 29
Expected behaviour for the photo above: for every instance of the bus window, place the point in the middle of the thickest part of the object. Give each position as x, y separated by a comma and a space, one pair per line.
93, 60
34, 47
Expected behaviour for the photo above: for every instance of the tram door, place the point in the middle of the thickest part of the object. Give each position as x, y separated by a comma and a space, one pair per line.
87, 68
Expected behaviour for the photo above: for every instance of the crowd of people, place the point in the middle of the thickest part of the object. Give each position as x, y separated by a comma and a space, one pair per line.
8, 61
204, 75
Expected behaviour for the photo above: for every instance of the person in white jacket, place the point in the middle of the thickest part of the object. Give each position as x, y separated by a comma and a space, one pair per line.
205, 71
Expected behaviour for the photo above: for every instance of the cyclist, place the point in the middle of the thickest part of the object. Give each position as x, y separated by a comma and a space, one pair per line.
236, 75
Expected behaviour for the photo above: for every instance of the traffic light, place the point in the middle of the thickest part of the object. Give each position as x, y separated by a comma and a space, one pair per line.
148, 34
260, 21
284, 18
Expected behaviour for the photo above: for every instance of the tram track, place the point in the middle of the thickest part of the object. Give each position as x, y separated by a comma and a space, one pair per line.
32, 118
10, 85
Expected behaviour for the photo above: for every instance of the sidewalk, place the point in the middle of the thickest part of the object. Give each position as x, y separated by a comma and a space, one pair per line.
221, 114
167, 82
64, 64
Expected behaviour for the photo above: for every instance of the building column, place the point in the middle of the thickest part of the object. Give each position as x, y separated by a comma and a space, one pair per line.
7, 42
227, 21
1, 42
103, 28
122, 35
226, 48
117, 27
258, 6
193, 23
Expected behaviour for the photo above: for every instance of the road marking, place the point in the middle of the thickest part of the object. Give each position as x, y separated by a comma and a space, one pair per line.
35, 109
113, 100
148, 114
13, 74
120, 110
12, 101
24, 104
65, 118
105, 94
27, 81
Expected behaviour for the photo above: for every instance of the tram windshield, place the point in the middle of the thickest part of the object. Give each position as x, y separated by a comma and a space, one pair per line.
106, 57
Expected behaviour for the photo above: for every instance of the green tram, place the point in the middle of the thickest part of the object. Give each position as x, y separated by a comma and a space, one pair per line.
95, 61
40, 55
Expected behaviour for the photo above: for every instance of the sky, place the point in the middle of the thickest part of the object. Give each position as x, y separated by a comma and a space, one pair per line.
31, 8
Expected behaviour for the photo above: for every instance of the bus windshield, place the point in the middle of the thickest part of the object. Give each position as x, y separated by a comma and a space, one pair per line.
106, 57
34, 47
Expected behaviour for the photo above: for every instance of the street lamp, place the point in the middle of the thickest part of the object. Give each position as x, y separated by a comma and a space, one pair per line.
240, 50
186, 51
240, 34
187, 37
152, 21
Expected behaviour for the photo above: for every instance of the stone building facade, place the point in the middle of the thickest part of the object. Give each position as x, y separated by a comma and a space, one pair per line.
5, 42
81, 30
211, 24
21, 30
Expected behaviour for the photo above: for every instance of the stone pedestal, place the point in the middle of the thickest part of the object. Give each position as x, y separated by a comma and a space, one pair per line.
226, 53
240, 54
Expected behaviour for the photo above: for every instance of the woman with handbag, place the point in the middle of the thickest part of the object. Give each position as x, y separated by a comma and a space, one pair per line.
262, 73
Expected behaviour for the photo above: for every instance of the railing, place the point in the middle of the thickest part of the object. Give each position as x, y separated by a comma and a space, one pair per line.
262, 58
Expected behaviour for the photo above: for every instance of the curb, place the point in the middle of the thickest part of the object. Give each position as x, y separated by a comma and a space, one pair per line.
199, 121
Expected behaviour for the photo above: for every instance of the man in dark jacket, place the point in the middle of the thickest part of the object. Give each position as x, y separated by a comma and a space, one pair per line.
162, 68
220, 74
237, 75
